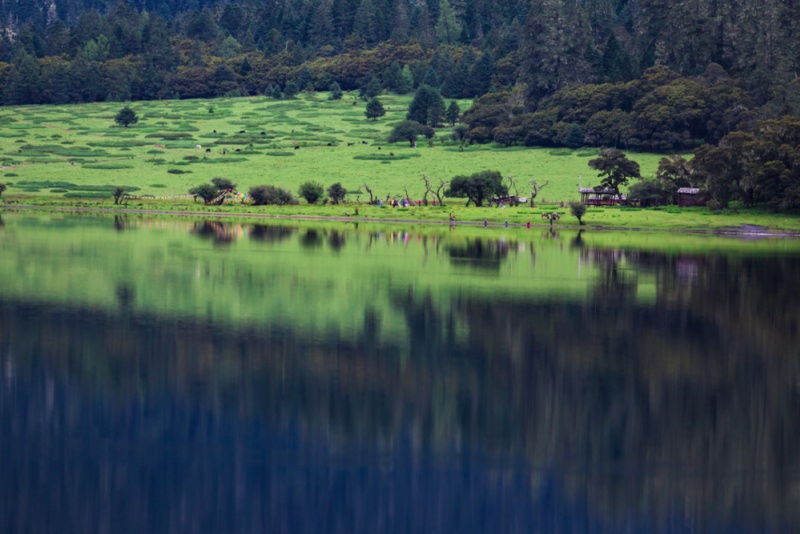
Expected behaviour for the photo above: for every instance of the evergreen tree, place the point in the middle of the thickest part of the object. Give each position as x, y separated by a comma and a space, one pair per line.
425, 99
431, 79
126, 116
336, 91
291, 89
448, 29
373, 88
277, 94
375, 109
452, 113
25, 83
480, 76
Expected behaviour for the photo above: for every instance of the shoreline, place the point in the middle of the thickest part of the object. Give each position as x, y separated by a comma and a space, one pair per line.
744, 232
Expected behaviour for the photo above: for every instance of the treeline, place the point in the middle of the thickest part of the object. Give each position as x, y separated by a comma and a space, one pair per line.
661, 111
87, 50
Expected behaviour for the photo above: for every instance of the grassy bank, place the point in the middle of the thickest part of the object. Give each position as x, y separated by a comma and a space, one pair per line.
665, 219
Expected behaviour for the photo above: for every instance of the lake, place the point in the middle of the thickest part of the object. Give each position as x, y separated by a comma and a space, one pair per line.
186, 375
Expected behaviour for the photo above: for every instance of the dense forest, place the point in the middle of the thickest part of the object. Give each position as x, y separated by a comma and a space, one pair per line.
56, 51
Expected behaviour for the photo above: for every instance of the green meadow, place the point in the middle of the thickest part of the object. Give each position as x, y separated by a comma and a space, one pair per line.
77, 151
73, 156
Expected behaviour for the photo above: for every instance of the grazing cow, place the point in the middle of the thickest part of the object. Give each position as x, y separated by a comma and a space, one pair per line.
297, 147
242, 131
348, 144
263, 133
363, 142
545, 215
198, 147
208, 150
215, 131
379, 148
330, 144
238, 150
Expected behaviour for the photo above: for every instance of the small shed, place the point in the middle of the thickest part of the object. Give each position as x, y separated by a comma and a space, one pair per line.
690, 196
601, 197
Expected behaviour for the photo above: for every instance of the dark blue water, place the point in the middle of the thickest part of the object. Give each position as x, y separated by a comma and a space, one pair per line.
670, 409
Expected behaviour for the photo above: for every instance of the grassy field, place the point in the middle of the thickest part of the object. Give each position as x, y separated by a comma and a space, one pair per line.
73, 156
78, 150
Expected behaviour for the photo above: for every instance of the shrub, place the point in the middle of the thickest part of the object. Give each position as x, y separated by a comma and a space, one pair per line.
578, 209
2, 189
336, 193
223, 184
311, 191
264, 195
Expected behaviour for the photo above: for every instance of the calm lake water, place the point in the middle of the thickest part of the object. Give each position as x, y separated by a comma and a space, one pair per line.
180, 375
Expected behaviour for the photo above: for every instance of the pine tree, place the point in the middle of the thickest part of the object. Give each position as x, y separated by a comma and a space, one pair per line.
374, 109
448, 29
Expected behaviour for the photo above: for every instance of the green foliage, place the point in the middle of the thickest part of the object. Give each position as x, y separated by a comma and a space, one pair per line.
126, 116
648, 193
270, 195
311, 191
336, 91
452, 113
207, 192
336, 193
615, 169
478, 187
223, 184
407, 130
375, 109
427, 107
578, 210
2, 188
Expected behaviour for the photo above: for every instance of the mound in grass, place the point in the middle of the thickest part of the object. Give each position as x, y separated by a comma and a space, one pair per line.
279, 153
178, 171
87, 194
158, 186
169, 136
108, 166
386, 157
560, 152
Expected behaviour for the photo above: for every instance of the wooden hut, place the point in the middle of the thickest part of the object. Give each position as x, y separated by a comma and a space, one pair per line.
690, 196
601, 197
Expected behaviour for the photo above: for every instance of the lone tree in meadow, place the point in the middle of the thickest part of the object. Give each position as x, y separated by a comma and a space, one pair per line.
375, 109
406, 131
311, 191
615, 169
126, 116
578, 209
336, 193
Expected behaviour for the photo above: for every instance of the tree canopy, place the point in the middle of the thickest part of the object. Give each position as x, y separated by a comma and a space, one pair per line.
478, 187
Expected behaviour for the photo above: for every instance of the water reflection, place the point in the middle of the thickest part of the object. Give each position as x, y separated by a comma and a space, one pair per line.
662, 399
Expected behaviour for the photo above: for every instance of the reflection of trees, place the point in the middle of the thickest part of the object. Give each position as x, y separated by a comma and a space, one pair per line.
271, 234
336, 239
480, 253
686, 407
311, 239
217, 232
